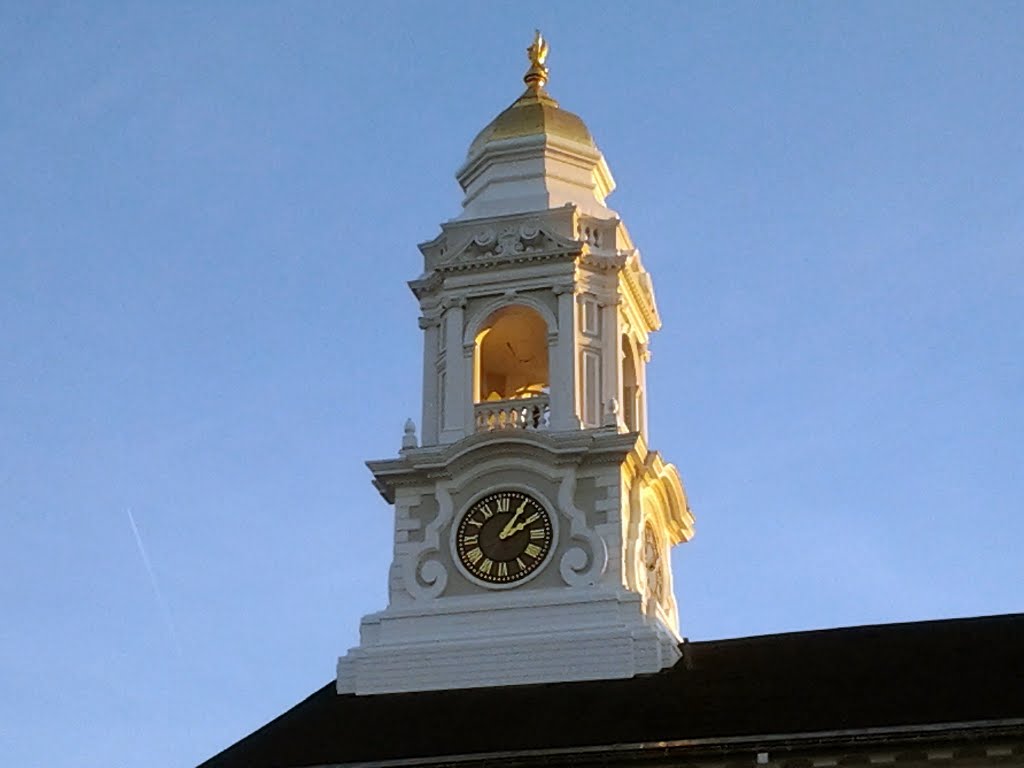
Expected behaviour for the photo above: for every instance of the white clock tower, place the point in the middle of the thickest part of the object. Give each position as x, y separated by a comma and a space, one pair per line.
532, 522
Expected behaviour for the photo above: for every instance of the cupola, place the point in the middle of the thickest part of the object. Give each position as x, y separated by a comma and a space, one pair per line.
534, 155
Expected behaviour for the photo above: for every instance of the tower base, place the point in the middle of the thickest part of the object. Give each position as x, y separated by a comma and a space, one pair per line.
570, 635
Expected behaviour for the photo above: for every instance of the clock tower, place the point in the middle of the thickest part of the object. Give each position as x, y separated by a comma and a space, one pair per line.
533, 523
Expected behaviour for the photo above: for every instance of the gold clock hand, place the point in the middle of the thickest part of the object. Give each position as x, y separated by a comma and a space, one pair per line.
522, 525
508, 529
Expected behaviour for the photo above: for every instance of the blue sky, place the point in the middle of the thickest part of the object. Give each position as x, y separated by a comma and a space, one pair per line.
207, 215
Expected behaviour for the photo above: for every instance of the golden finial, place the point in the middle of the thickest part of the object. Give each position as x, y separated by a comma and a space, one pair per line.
537, 75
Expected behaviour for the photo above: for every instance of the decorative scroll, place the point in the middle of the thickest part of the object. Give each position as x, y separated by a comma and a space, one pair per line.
580, 565
425, 576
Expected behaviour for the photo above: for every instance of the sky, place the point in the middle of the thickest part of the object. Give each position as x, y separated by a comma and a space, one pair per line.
208, 212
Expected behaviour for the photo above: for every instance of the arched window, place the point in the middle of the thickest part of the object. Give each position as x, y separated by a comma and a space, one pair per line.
511, 364
512, 355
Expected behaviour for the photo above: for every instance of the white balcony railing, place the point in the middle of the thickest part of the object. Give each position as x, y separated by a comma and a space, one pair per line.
526, 413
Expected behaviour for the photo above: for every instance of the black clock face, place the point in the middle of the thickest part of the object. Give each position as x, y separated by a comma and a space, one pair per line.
504, 537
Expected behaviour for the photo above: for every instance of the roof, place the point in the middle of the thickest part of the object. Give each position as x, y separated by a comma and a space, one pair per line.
533, 113
884, 676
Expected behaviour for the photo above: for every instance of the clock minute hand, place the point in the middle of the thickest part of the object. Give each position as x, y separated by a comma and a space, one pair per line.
509, 529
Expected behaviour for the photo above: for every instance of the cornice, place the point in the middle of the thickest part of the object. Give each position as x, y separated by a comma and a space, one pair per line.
638, 283
519, 148
602, 244
428, 464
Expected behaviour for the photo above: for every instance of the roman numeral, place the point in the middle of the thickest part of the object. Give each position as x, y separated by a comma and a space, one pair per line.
502, 569
485, 566
532, 550
470, 539
503, 504
474, 555
477, 523
488, 512
522, 565
536, 534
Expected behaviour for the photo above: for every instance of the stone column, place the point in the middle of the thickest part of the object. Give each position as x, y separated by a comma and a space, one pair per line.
455, 394
641, 386
562, 363
429, 422
469, 375
611, 363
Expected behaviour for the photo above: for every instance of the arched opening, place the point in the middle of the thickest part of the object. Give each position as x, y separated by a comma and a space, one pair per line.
512, 355
511, 364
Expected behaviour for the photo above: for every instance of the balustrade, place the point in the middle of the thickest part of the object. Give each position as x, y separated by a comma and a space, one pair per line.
525, 413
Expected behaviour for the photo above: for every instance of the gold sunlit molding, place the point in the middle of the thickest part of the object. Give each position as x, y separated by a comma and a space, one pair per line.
536, 76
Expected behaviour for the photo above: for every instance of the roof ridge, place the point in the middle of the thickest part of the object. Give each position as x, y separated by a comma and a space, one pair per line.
858, 627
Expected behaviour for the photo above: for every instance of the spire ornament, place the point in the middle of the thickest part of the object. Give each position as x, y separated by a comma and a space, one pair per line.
536, 76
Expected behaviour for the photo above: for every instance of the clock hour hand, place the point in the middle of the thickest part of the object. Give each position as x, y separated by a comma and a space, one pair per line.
520, 526
510, 528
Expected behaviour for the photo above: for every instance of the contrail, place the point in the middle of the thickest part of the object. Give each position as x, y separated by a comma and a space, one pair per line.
156, 587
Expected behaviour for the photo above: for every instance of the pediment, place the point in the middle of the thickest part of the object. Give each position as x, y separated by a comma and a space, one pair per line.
498, 243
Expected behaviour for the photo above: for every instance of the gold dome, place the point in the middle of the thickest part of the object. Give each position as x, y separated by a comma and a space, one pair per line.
534, 113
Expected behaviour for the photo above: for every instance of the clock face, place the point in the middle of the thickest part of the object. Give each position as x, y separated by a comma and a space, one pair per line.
504, 537
652, 562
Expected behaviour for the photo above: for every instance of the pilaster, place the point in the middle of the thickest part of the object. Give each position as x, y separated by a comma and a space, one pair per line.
455, 392
429, 421
563, 363
641, 406
611, 362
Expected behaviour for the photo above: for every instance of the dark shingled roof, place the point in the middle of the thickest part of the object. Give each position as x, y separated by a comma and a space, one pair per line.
890, 675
